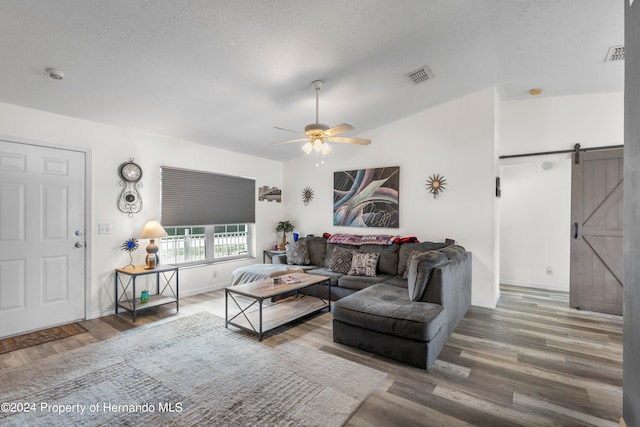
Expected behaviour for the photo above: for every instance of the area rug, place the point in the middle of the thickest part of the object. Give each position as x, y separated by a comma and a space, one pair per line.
188, 371
40, 337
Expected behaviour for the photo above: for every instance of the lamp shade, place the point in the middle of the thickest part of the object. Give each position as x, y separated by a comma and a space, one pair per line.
153, 230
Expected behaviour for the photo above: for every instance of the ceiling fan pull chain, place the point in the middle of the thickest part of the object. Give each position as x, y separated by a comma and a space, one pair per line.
317, 104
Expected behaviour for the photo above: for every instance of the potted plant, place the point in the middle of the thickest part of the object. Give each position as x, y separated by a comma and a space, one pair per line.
285, 227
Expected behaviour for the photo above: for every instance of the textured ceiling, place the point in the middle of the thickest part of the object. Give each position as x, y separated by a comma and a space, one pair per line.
224, 73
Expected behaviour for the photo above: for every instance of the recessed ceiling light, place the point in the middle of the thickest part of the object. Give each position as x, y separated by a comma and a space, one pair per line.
535, 91
55, 74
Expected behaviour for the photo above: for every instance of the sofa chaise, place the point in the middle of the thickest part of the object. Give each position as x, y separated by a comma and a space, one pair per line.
400, 301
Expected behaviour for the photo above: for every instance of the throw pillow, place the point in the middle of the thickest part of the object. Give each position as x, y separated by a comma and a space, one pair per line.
453, 251
298, 253
413, 255
364, 264
418, 278
341, 260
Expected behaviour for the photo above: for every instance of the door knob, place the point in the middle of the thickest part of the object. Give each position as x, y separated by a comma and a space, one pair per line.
79, 245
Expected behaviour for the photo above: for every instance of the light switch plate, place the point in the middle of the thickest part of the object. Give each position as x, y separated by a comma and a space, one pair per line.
104, 228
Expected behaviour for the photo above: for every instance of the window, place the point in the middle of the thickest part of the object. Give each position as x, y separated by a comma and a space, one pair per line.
206, 243
197, 197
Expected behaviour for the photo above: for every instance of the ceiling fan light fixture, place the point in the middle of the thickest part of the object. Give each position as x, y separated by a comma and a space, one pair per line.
317, 133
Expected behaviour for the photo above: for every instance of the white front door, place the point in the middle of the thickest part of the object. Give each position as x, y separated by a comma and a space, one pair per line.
42, 240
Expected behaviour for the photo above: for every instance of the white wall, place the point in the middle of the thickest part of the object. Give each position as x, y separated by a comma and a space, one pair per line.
456, 140
535, 210
535, 206
110, 146
557, 123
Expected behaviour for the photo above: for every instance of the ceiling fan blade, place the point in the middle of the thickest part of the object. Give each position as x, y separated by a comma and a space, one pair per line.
289, 130
291, 140
348, 140
338, 129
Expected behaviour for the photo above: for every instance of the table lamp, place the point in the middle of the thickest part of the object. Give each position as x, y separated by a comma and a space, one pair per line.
152, 230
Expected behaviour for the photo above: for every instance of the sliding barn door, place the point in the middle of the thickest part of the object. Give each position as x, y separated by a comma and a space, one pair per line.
596, 244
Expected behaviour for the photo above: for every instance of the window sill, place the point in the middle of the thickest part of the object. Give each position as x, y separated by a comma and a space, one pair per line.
188, 265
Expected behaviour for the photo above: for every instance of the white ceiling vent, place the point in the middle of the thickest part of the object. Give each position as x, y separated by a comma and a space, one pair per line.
419, 76
615, 53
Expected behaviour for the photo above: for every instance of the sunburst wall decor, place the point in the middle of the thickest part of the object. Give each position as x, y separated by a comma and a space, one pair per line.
436, 184
307, 195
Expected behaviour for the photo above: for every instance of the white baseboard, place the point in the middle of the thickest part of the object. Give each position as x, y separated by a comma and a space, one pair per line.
98, 314
197, 291
546, 286
485, 303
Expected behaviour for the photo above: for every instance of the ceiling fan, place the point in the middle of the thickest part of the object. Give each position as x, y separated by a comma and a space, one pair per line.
318, 134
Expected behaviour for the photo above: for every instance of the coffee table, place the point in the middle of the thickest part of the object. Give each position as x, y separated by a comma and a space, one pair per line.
287, 310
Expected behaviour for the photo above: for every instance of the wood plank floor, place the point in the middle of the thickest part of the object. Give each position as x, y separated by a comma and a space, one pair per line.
532, 361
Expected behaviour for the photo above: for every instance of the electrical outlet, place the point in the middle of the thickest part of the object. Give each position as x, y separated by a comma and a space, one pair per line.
549, 270
104, 228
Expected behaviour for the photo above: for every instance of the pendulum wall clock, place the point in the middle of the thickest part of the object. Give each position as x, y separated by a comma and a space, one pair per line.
129, 200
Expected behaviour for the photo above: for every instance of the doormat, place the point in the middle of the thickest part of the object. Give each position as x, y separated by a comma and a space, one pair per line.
40, 337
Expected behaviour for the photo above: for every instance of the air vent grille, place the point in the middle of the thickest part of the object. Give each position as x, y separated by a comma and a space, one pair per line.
419, 76
615, 53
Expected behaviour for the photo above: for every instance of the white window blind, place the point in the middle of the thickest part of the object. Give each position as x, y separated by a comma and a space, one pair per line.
192, 197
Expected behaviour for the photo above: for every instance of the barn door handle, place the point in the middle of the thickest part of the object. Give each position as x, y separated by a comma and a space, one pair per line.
575, 230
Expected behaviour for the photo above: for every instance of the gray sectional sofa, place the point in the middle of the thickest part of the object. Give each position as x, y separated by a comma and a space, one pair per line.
407, 310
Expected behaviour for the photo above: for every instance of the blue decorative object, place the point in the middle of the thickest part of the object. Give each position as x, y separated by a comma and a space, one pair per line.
130, 246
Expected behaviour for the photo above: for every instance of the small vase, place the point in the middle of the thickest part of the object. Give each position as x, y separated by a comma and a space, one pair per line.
283, 244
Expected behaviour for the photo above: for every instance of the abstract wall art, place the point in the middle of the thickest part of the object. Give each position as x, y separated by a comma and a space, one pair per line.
367, 197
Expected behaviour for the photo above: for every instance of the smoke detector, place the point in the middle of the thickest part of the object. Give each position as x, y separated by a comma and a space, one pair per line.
615, 54
419, 76
55, 74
